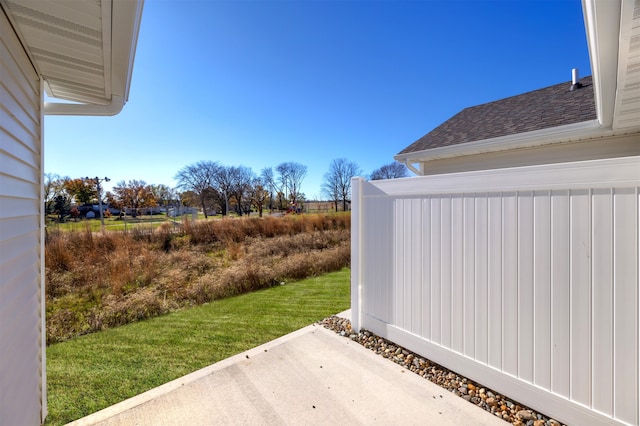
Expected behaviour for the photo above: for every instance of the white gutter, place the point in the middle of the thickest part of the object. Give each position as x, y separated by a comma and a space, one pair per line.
112, 108
567, 133
410, 166
602, 25
125, 43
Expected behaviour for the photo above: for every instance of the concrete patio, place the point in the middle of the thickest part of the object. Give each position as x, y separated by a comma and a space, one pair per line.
311, 376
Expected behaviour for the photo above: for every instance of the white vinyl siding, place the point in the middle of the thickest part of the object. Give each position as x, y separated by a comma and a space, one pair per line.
22, 384
527, 280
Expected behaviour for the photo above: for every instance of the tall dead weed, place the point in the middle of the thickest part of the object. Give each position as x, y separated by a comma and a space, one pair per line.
97, 280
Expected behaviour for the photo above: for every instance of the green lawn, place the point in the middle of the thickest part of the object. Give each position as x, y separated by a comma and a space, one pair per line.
110, 223
95, 371
144, 221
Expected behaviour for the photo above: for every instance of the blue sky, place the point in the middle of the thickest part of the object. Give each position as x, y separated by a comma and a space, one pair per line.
258, 83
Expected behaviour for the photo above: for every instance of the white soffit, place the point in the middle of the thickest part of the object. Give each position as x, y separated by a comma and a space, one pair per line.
83, 49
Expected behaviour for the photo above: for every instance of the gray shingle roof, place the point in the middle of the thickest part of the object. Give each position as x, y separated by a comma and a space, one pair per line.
544, 108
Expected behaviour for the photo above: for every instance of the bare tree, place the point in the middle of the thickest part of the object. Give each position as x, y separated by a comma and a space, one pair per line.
241, 179
291, 175
56, 198
329, 189
50, 190
162, 193
270, 184
199, 179
390, 171
259, 194
337, 181
223, 182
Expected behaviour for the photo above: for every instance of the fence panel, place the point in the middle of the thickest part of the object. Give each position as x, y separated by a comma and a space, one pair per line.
523, 279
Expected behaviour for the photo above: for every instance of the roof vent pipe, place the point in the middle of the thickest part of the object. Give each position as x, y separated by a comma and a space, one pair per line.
574, 80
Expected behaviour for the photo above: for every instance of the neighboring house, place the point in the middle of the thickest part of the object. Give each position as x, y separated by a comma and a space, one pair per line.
551, 125
80, 51
599, 117
513, 258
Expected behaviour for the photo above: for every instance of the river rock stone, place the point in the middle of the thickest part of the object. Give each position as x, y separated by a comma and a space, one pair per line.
478, 394
525, 415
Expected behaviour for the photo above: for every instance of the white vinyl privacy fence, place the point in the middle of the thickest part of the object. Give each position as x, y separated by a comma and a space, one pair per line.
523, 279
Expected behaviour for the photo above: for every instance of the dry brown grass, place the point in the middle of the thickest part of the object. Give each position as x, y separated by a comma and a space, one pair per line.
105, 279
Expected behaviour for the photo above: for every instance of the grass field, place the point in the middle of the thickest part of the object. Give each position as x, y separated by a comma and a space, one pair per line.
95, 371
111, 223
114, 223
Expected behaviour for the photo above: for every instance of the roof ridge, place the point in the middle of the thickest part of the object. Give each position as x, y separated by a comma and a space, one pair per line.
582, 82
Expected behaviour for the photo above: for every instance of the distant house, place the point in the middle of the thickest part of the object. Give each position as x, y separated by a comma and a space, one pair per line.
550, 125
85, 209
512, 258
80, 51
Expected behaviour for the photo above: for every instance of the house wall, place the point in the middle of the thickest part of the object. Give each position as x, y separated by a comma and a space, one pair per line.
523, 279
22, 385
611, 147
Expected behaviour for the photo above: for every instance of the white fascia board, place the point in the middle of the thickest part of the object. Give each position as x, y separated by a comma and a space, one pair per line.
602, 26
566, 133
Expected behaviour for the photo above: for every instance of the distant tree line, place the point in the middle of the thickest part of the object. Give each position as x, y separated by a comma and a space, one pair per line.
393, 170
214, 187
336, 183
62, 193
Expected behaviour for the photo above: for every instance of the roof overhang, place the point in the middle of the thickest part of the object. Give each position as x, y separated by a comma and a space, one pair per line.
566, 133
83, 50
613, 36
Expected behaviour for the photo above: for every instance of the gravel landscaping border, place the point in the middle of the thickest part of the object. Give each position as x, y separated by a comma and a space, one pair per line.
475, 393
